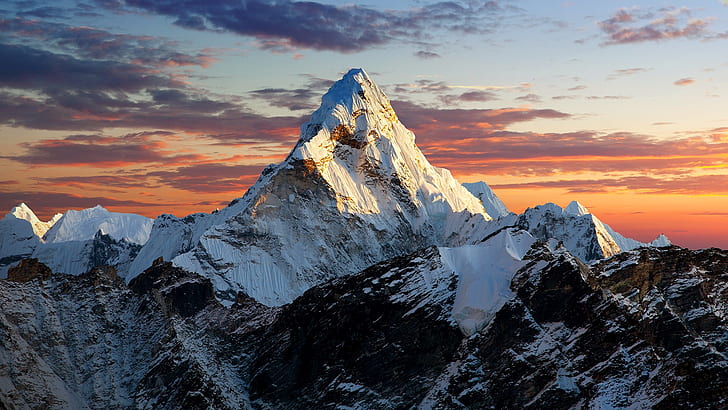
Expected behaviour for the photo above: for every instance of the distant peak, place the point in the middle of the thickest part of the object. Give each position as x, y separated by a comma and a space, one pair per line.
576, 209
22, 211
661, 241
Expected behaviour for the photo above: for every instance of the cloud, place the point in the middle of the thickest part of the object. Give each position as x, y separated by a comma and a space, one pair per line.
685, 81
531, 98
101, 151
92, 43
469, 96
426, 55
117, 180
607, 97
637, 26
89, 111
297, 99
432, 124
29, 68
319, 26
210, 178
683, 185
626, 72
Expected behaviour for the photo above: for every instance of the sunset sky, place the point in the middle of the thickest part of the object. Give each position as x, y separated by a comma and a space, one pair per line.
162, 106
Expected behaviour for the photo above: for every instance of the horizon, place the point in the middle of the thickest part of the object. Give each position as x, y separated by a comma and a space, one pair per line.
150, 109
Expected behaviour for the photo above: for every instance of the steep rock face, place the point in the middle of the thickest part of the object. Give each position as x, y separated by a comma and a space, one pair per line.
366, 346
29, 269
88, 341
564, 344
354, 191
76, 257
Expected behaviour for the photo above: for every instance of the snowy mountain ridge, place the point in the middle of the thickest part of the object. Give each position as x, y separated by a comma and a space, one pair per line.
73, 242
83, 225
581, 232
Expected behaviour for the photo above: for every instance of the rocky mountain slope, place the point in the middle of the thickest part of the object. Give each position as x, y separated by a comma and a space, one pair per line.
646, 328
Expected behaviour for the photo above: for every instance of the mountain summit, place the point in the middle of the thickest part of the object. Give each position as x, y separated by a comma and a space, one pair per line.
355, 190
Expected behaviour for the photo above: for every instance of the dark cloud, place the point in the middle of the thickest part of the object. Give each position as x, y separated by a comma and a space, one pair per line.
100, 151
432, 124
422, 86
626, 72
85, 111
97, 44
426, 55
346, 28
29, 68
636, 26
470, 96
44, 12
607, 97
117, 180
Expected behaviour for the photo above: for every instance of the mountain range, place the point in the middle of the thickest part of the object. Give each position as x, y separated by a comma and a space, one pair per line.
356, 274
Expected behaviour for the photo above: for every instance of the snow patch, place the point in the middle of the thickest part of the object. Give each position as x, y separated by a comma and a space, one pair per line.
485, 273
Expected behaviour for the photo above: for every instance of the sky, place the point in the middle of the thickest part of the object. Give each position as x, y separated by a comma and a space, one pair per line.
161, 106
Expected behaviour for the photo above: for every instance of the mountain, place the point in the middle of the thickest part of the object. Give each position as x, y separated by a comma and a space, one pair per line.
20, 233
84, 224
356, 275
582, 233
643, 329
73, 242
355, 190
492, 204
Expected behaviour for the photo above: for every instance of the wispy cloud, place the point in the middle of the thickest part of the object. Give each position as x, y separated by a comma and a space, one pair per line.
634, 25
624, 72
682, 185
685, 81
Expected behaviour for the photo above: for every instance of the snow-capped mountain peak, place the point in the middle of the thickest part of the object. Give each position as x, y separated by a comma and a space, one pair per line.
23, 212
576, 209
355, 190
84, 224
661, 241
356, 143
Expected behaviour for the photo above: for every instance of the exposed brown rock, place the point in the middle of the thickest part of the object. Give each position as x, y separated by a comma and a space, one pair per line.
29, 269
